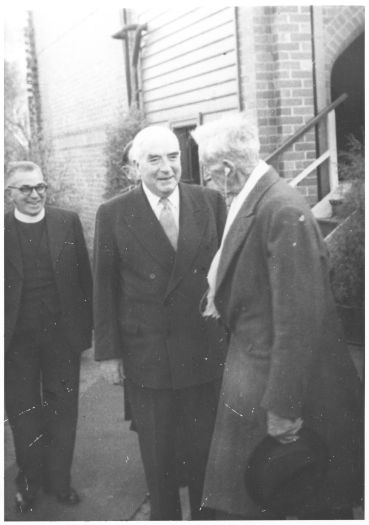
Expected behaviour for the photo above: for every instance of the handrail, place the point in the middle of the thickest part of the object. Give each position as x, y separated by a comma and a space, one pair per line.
294, 182
312, 122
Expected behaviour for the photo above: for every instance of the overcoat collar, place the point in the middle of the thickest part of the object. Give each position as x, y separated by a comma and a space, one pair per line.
56, 231
242, 223
146, 227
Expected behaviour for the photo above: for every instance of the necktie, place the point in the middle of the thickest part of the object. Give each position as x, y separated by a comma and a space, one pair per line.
168, 223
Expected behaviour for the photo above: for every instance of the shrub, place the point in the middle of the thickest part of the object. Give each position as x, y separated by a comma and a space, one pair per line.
347, 245
118, 177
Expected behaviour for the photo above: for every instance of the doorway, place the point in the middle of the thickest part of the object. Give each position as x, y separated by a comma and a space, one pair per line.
348, 74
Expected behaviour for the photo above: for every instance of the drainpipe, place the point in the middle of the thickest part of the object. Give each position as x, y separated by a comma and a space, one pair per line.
131, 76
135, 55
127, 65
315, 98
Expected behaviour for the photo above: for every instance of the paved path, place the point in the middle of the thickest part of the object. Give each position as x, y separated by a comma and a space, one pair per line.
107, 469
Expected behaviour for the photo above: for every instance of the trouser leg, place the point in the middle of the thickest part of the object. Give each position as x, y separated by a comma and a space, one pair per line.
154, 416
199, 406
24, 410
60, 389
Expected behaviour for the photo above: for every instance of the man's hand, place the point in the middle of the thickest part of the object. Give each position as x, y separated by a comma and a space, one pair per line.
285, 430
112, 371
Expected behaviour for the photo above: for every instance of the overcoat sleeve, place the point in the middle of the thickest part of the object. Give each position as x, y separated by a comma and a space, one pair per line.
106, 288
295, 265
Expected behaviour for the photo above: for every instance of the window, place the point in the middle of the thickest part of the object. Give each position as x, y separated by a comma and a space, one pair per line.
191, 172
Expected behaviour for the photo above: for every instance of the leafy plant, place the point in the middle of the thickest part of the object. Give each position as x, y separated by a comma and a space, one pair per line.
347, 245
119, 177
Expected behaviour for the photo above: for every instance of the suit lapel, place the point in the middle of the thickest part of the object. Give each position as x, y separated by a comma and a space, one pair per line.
242, 224
56, 231
192, 224
12, 245
142, 221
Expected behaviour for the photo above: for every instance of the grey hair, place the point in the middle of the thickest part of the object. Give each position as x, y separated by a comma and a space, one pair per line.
231, 136
138, 142
23, 165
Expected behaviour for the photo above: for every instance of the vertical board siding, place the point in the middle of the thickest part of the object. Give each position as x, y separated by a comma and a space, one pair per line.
188, 63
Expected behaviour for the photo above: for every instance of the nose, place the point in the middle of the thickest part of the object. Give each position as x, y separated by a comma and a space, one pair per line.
34, 193
165, 165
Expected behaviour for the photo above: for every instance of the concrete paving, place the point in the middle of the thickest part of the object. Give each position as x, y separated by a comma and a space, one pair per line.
107, 469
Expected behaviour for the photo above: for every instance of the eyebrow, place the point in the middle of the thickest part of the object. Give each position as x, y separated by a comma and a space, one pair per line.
153, 155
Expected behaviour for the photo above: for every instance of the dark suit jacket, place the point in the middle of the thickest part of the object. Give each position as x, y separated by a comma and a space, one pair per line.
286, 354
146, 296
72, 275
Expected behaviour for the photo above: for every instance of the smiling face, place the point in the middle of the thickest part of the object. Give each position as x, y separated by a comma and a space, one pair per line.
159, 163
28, 204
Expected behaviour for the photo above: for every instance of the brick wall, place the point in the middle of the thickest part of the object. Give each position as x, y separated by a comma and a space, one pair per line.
83, 91
342, 25
280, 90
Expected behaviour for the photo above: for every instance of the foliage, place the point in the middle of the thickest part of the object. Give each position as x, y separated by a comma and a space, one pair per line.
20, 145
16, 125
119, 178
347, 246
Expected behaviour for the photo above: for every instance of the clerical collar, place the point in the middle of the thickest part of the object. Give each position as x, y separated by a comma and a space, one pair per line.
22, 217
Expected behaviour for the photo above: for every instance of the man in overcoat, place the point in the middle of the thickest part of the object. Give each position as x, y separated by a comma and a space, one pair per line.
153, 248
48, 323
287, 364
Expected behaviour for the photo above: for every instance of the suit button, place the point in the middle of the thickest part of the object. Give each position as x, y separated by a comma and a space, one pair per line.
152, 276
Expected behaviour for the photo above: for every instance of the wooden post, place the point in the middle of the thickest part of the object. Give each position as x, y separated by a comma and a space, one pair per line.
332, 144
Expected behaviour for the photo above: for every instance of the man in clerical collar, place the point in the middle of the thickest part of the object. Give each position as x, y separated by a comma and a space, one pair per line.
48, 323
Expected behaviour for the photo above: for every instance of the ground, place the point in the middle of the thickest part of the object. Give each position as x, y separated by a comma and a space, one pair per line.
107, 469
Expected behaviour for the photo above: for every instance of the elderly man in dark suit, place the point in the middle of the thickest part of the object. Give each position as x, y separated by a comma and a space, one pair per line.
287, 365
153, 248
48, 323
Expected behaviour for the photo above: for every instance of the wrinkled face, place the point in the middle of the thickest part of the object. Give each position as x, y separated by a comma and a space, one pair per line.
214, 170
30, 204
159, 164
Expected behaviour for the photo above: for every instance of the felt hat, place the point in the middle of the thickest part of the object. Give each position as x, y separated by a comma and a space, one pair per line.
286, 478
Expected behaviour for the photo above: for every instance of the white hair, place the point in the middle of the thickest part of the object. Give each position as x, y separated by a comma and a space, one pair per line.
138, 143
232, 136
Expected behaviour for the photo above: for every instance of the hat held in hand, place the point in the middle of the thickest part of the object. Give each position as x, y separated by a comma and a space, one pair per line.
285, 478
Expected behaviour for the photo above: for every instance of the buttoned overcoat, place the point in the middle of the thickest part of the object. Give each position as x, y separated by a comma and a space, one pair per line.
286, 354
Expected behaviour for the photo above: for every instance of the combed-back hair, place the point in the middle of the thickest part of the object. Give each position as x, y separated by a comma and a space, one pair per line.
145, 133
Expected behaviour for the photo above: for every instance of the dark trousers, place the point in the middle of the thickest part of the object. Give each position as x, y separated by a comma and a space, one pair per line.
41, 399
157, 415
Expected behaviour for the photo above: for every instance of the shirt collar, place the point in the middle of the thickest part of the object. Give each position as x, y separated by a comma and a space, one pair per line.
30, 219
154, 199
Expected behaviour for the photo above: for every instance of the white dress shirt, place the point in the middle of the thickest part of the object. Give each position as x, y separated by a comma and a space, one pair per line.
154, 201
235, 207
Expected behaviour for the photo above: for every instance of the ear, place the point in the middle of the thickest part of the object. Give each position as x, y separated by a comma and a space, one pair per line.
228, 167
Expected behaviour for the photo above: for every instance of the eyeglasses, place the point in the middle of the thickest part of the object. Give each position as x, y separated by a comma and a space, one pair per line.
27, 190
